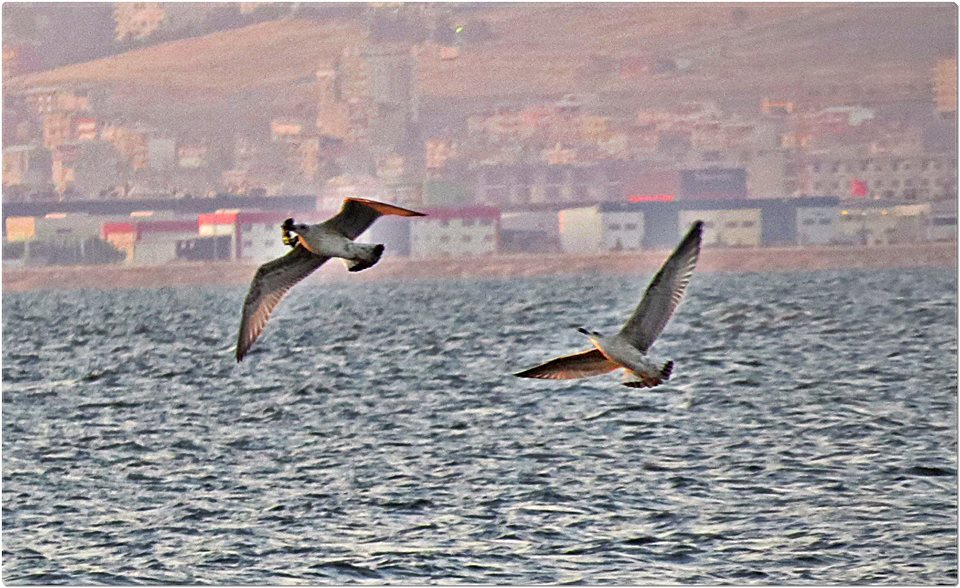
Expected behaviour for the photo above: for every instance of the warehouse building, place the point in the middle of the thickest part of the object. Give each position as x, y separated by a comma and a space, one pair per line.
149, 242
455, 232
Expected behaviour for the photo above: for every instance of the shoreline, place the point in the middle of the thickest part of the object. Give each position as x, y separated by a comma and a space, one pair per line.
221, 273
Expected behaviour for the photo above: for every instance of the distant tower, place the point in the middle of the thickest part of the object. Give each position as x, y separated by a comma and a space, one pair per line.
392, 79
945, 84
333, 116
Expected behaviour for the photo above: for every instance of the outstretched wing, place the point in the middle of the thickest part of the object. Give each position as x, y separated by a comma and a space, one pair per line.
664, 292
357, 214
270, 283
569, 367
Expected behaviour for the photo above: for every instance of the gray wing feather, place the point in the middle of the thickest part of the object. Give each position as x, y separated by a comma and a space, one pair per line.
568, 367
357, 214
664, 292
272, 280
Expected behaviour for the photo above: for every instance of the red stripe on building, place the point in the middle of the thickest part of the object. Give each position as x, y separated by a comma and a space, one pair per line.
651, 198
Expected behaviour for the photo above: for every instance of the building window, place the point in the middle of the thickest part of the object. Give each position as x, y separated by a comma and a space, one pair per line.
614, 227
468, 222
248, 242
466, 239
808, 221
444, 238
487, 238
730, 224
895, 183
486, 222
246, 228
444, 223
747, 224
824, 221
630, 227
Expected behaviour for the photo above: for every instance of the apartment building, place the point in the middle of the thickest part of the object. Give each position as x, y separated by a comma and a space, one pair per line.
888, 177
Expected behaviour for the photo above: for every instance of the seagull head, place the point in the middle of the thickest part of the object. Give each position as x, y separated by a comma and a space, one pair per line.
289, 225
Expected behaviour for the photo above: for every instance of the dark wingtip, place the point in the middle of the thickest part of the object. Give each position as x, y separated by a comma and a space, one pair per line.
666, 370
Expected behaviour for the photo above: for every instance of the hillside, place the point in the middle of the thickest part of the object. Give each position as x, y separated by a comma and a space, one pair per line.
880, 51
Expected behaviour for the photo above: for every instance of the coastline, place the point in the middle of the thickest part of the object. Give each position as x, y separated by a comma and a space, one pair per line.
191, 274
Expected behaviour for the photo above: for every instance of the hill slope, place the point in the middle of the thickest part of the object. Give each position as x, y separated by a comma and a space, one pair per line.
876, 50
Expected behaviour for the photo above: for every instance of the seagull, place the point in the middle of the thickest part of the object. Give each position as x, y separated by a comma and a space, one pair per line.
312, 246
628, 348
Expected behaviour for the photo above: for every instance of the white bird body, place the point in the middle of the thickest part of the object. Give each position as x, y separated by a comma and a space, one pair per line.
628, 348
312, 246
322, 240
621, 352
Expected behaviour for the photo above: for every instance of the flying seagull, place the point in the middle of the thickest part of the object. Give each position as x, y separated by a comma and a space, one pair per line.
312, 246
628, 348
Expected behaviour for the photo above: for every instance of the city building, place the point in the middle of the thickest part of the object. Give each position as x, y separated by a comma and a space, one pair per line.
531, 183
55, 226
725, 227
883, 223
530, 231
50, 99
149, 242
603, 227
137, 20
254, 235
26, 165
945, 87
817, 225
882, 176
455, 232
942, 223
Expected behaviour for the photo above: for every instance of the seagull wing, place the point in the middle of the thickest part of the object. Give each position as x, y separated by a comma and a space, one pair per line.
568, 367
664, 292
270, 283
357, 214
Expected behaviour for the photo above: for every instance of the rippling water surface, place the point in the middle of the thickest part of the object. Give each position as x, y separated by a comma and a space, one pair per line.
375, 435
